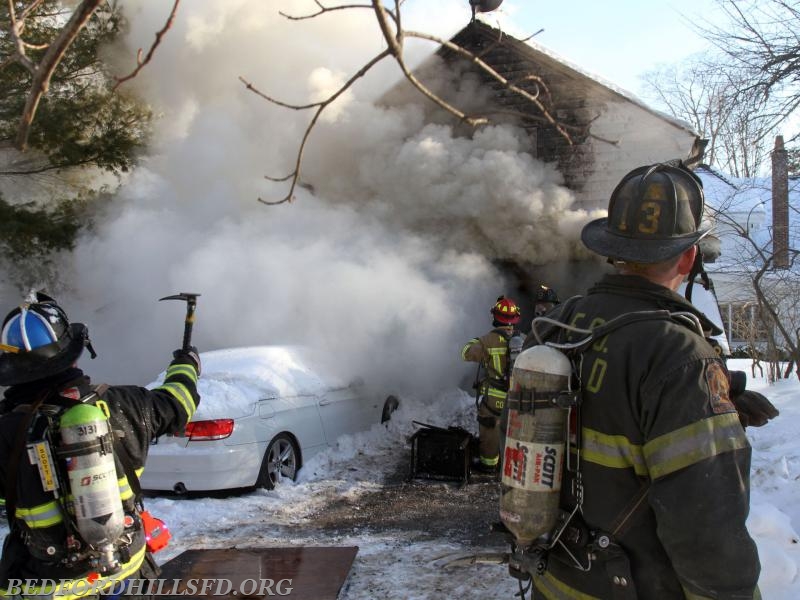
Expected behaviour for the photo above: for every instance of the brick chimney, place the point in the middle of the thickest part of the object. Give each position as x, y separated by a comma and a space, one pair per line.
780, 205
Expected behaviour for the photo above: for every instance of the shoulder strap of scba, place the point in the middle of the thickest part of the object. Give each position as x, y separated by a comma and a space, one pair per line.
570, 399
95, 397
685, 318
119, 449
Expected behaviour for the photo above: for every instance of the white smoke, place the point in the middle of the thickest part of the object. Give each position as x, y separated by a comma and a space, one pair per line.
385, 266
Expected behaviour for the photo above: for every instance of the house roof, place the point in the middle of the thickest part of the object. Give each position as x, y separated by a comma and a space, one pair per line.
532, 51
749, 202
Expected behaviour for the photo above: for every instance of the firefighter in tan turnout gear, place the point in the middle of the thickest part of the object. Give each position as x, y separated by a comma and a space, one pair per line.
492, 352
662, 488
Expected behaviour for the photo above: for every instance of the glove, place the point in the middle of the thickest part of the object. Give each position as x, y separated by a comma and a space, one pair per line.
191, 354
754, 408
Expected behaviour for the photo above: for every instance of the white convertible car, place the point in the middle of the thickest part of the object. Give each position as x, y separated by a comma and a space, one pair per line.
264, 411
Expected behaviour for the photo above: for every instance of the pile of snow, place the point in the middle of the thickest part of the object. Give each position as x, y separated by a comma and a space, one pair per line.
234, 379
402, 564
386, 564
775, 474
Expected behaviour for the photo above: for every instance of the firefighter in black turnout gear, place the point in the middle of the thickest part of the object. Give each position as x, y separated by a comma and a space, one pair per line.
662, 487
69, 449
493, 351
546, 298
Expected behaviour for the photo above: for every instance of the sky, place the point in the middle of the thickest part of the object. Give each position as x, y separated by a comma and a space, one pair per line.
616, 39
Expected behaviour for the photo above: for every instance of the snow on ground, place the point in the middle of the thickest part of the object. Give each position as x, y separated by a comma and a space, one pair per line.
389, 564
775, 483
400, 564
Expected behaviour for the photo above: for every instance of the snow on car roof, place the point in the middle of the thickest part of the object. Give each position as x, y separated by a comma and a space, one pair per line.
233, 379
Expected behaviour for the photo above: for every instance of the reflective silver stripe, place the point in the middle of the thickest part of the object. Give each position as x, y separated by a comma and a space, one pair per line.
125, 491
614, 451
497, 354
187, 370
693, 443
38, 517
77, 588
182, 395
466, 347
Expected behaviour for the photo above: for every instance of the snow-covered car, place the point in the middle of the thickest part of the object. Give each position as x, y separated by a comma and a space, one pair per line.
264, 412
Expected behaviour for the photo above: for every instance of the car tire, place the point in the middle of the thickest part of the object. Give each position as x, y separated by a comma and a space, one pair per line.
281, 461
389, 406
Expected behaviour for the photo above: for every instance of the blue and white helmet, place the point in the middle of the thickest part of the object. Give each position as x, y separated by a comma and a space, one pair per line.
37, 341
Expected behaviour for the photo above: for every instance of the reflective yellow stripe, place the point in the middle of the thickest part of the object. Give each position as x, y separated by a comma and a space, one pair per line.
77, 588
490, 462
182, 395
495, 393
614, 451
44, 515
125, 491
187, 370
553, 589
691, 444
466, 347
497, 354
139, 471
690, 596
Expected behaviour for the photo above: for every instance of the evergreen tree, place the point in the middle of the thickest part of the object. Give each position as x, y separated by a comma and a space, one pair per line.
81, 125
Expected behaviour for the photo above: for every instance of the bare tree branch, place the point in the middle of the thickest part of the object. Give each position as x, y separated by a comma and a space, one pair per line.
141, 63
322, 10
44, 70
390, 24
15, 31
776, 291
294, 176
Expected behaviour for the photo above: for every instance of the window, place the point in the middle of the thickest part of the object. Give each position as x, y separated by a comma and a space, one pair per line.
743, 322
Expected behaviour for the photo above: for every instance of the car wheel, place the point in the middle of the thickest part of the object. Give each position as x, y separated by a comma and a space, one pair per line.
281, 461
389, 406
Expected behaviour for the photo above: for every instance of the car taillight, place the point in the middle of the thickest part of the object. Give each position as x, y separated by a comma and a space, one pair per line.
218, 429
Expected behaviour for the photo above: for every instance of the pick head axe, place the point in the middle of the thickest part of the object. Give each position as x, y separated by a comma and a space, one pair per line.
191, 305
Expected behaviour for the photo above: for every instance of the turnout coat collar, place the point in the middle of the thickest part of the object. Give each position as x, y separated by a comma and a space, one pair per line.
635, 286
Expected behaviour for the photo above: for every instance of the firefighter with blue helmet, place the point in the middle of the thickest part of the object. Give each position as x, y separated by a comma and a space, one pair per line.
492, 353
70, 456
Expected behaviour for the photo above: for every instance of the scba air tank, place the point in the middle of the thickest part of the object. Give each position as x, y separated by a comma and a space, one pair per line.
87, 448
535, 439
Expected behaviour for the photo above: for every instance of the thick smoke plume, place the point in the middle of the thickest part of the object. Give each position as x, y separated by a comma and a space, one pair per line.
385, 260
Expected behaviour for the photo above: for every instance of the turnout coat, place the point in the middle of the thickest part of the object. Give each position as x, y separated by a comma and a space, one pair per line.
36, 546
664, 461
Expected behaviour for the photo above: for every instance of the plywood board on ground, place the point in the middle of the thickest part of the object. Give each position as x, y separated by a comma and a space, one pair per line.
316, 573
